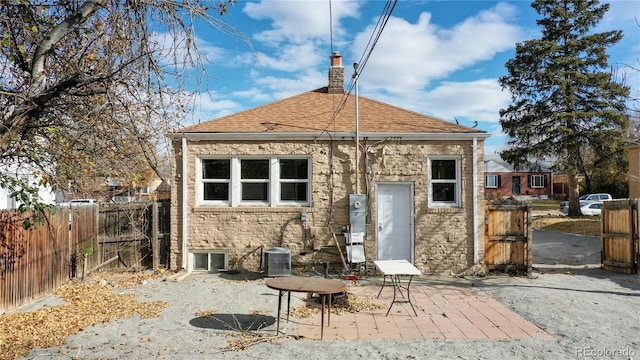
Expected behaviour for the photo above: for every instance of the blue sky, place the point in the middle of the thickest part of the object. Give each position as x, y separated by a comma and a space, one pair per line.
440, 58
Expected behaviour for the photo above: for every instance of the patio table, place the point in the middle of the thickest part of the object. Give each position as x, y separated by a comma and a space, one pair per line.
395, 269
321, 286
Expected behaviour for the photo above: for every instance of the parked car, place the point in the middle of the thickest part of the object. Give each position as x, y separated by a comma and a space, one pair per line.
78, 202
564, 206
591, 208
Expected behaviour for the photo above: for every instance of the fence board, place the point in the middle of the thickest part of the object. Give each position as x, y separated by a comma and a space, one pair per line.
36, 261
620, 235
508, 237
32, 262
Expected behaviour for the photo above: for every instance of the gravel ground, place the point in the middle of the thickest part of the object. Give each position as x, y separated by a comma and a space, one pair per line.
591, 313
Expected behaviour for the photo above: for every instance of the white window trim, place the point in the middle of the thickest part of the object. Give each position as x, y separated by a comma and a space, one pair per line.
495, 178
209, 252
235, 182
458, 181
200, 183
276, 170
268, 181
541, 177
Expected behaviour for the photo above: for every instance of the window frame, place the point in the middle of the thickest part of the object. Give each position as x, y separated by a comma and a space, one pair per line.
496, 178
201, 181
532, 181
281, 181
242, 182
457, 182
209, 253
235, 181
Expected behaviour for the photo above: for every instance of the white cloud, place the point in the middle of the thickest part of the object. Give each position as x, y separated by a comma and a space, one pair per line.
174, 49
478, 100
210, 105
298, 21
408, 56
292, 58
253, 94
282, 88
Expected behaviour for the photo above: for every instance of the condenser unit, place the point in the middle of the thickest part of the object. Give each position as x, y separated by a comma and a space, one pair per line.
277, 262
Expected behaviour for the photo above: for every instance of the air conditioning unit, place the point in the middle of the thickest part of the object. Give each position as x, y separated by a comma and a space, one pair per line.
277, 262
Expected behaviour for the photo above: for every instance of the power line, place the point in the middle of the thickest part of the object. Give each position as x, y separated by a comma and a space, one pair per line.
371, 44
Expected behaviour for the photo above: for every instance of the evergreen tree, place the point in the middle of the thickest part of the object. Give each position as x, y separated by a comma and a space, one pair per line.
565, 101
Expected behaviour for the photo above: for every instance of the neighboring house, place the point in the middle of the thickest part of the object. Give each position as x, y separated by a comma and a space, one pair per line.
156, 189
45, 194
634, 170
288, 175
502, 180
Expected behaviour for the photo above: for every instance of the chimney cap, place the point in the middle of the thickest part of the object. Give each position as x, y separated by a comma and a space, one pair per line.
335, 53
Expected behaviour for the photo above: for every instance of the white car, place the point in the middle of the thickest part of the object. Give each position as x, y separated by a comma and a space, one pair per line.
591, 208
564, 206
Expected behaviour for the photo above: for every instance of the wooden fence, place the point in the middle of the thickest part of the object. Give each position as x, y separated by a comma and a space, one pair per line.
620, 249
136, 233
35, 261
508, 237
75, 241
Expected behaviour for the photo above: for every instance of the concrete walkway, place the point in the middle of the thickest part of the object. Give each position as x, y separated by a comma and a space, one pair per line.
556, 248
446, 310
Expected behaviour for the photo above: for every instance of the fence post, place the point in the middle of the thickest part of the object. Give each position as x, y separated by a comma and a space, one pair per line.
97, 253
155, 243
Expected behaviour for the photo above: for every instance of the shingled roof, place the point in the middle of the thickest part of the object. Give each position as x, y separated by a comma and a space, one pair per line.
328, 109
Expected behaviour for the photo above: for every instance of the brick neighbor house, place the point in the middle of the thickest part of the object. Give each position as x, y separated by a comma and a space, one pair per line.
502, 180
287, 175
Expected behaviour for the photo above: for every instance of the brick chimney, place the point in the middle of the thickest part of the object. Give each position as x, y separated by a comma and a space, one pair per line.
336, 74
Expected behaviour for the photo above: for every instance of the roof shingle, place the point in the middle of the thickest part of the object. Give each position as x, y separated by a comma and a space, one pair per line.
318, 111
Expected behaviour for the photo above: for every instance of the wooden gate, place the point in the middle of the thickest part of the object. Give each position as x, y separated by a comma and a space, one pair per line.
620, 236
507, 237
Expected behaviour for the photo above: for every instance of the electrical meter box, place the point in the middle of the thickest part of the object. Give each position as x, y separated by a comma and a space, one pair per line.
357, 213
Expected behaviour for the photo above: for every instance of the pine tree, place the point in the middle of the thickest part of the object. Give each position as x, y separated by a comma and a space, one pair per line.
565, 101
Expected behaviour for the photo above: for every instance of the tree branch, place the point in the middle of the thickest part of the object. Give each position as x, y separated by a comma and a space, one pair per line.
40, 55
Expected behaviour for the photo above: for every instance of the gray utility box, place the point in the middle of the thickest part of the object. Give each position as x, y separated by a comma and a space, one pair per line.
358, 213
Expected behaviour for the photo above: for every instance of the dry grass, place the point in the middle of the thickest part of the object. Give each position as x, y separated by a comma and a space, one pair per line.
90, 303
579, 225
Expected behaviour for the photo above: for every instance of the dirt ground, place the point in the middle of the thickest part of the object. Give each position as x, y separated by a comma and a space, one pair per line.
581, 225
590, 314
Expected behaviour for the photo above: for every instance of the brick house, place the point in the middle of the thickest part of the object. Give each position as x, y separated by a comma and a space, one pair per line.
502, 180
288, 175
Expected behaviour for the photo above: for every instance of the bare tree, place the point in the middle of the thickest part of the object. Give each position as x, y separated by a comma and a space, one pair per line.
89, 87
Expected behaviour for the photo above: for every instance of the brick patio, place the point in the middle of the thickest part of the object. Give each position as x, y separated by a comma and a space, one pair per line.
446, 310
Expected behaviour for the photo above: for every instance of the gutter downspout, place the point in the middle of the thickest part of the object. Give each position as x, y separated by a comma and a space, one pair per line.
475, 200
184, 202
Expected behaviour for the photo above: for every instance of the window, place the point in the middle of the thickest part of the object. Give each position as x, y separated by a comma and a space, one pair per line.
537, 181
255, 181
216, 177
294, 180
492, 181
209, 261
444, 181
254, 178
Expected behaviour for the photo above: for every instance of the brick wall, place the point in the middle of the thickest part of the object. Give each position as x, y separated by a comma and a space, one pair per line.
443, 238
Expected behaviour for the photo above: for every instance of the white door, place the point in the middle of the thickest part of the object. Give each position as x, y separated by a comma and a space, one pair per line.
394, 227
